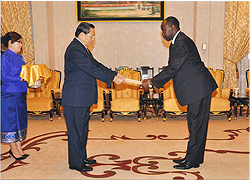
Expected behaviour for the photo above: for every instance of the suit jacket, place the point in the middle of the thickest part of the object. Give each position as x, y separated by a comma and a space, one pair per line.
192, 80
81, 71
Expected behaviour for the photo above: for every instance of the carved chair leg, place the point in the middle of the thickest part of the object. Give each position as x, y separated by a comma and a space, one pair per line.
138, 116
241, 107
229, 114
51, 115
59, 112
102, 116
235, 111
111, 115
157, 111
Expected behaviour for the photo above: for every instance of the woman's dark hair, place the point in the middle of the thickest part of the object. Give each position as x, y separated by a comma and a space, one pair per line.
173, 21
13, 36
83, 27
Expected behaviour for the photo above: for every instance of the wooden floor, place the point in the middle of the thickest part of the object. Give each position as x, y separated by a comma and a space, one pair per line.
128, 150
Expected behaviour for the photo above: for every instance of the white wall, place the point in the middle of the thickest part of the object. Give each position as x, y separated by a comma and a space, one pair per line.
128, 43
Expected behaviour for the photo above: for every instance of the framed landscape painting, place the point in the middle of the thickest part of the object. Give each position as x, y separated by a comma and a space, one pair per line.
120, 11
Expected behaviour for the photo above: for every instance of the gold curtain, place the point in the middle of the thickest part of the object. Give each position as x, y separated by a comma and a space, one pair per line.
236, 39
15, 16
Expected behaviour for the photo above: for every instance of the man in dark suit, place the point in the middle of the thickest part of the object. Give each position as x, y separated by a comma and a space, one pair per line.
193, 85
80, 92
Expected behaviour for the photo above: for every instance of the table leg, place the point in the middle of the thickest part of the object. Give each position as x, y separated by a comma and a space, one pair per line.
235, 111
111, 115
156, 110
241, 107
164, 116
138, 116
102, 116
229, 114
144, 111
59, 112
51, 115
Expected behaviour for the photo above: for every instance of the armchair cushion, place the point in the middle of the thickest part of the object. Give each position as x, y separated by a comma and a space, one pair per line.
39, 104
219, 104
172, 105
127, 104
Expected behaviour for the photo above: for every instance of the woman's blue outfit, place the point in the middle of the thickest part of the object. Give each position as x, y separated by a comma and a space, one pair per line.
13, 98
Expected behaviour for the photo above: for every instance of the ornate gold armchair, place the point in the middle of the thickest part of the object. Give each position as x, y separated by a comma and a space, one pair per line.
247, 78
45, 99
125, 98
102, 105
220, 103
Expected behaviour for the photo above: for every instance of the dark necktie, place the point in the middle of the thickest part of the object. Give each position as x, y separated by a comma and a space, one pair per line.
171, 46
89, 53
92, 58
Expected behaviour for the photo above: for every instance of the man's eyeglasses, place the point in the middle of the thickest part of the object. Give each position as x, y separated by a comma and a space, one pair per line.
19, 41
92, 36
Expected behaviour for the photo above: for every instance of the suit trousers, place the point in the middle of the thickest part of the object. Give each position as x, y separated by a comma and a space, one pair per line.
197, 117
77, 121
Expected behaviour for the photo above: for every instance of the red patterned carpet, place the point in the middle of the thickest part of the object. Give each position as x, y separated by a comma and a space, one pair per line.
127, 149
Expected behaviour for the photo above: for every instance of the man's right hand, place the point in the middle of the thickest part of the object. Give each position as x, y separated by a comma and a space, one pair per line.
119, 79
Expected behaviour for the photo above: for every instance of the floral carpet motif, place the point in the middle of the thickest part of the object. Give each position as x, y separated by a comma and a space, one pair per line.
112, 164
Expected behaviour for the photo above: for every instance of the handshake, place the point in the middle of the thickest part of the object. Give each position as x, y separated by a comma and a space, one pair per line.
146, 83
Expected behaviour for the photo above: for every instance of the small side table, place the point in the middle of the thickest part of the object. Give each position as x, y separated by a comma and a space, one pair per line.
32, 73
239, 101
155, 103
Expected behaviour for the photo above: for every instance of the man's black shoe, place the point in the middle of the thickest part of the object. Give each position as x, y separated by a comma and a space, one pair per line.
89, 161
82, 168
179, 161
187, 165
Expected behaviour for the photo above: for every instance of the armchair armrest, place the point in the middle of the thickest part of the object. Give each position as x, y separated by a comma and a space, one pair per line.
164, 93
140, 92
57, 90
161, 90
247, 91
161, 93
140, 95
